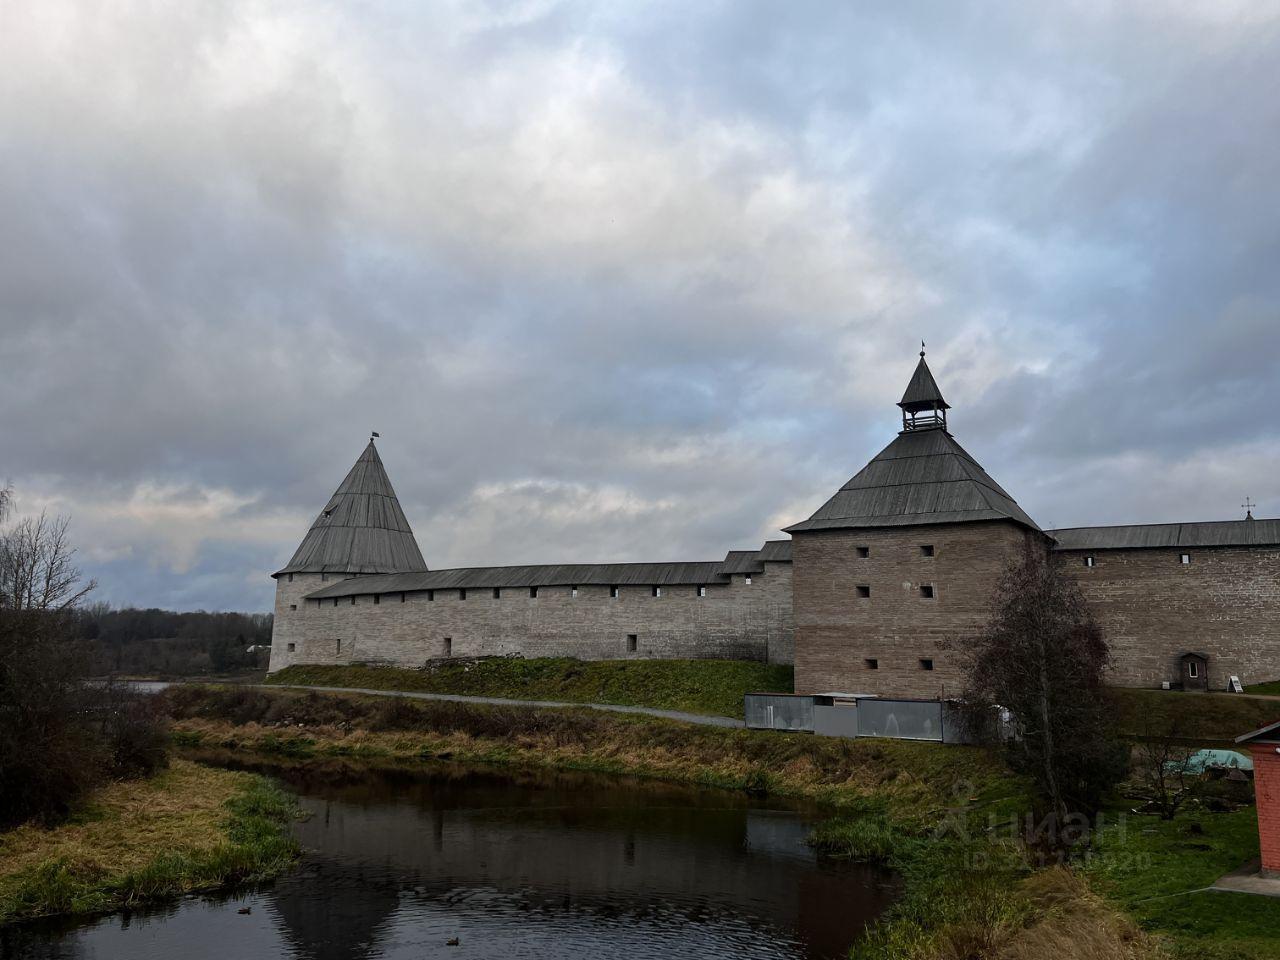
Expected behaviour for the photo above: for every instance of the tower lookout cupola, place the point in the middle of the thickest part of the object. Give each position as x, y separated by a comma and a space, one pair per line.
922, 405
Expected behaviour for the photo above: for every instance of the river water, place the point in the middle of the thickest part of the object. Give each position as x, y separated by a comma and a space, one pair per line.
401, 861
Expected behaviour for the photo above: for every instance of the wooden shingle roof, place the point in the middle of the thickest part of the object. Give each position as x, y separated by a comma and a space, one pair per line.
1221, 533
361, 529
922, 392
922, 477
566, 574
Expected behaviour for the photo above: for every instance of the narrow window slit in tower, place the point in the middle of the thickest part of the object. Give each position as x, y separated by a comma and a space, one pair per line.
631, 642
864, 590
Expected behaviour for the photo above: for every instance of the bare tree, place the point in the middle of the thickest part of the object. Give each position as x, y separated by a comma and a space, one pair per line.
1042, 657
1163, 767
37, 571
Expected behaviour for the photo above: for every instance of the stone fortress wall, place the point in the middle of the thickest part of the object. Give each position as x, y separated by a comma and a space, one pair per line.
875, 593
747, 618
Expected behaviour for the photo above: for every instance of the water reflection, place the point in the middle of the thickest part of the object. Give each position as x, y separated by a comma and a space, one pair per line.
512, 865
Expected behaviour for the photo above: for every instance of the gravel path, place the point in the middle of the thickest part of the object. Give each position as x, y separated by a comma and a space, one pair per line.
698, 718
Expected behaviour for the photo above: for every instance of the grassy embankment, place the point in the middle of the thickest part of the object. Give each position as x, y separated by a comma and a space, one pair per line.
963, 887
694, 686
967, 891
1217, 717
188, 828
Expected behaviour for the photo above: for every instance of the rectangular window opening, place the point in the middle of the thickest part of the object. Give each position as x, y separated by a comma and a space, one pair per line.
402, 597
864, 590
926, 549
533, 593
631, 642
377, 598
926, 591
657, 591
293, 606
448, 646
613, 592
290, 647
702, 591
863, 552
497, 593
1193, 669
337, 646
291, 578
353, 599
335, 601
431, 594
1186, 558
926, 664
872, 663
747, 579
462, 594
573, 592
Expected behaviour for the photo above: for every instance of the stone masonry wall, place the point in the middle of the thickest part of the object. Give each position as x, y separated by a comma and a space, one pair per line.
838, 631
733, 621
1225, 603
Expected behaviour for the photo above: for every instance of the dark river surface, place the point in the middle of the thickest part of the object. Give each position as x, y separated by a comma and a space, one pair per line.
402, 860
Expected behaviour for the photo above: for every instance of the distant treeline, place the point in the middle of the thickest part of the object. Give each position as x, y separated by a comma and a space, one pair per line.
164, 642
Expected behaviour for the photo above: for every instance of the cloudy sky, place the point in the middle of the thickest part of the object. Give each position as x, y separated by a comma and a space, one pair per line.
623, 281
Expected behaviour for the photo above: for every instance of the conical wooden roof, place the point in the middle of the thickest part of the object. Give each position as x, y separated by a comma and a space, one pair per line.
923, 476
361, 529
922, 392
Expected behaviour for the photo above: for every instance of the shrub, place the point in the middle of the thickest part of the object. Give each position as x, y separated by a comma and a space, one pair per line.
134, 733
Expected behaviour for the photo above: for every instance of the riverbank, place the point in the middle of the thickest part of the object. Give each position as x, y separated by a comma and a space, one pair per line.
713, 687
940, 816
915, 784
189, 828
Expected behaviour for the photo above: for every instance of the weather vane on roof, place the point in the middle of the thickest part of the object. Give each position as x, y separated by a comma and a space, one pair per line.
375, 435
921, 348
1248, 508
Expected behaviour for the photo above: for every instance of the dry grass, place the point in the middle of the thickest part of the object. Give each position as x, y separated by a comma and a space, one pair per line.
188, 828
126, 824
1072, 921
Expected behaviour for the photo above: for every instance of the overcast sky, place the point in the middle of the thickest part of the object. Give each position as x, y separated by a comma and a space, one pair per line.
623, 281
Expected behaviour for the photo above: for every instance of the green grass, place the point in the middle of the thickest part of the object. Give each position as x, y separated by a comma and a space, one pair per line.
119, 857
1271, 689
1219, 717
1139, 859
711, 687
960, 887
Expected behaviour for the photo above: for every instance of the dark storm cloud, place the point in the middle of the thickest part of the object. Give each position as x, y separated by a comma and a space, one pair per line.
619, 282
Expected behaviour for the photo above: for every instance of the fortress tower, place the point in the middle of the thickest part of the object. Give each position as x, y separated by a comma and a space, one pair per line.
361, 531
903, 558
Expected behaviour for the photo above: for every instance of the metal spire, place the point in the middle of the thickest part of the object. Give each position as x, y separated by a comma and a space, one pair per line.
1248, 508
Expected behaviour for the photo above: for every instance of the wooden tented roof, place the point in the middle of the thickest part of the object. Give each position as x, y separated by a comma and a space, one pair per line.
361, 529
923, 476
